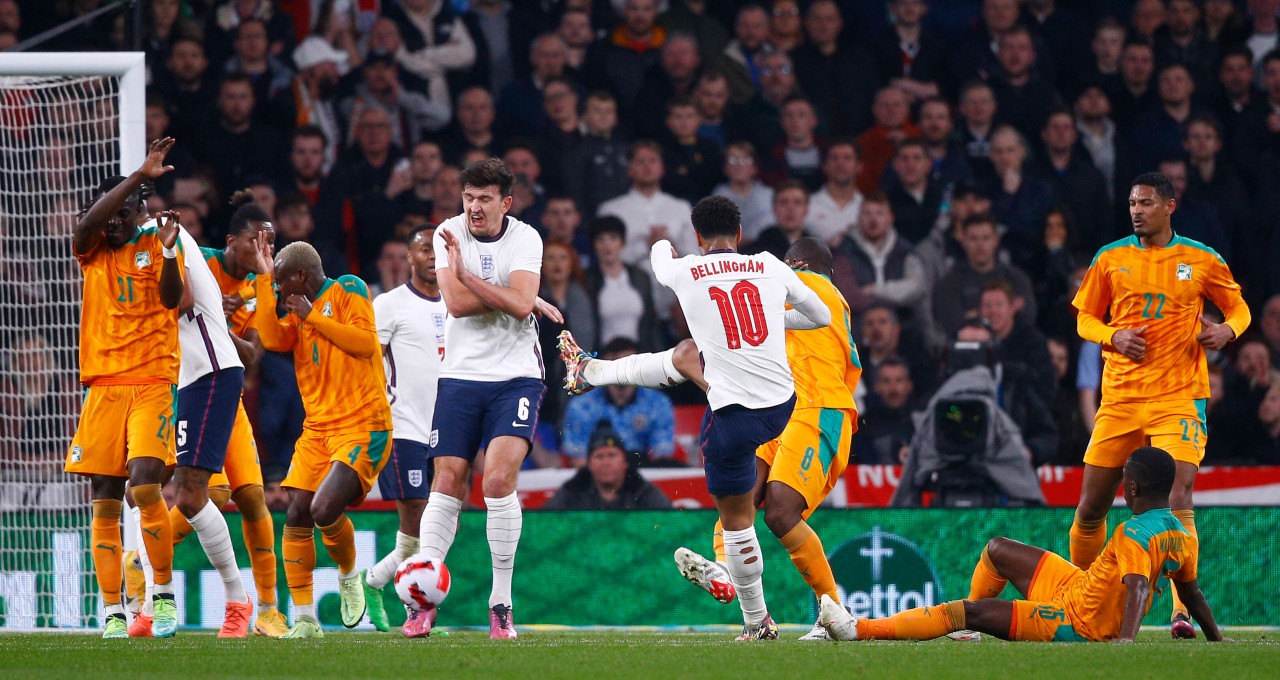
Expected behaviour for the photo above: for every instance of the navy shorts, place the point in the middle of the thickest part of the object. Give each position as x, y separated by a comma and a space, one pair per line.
206, 414
469, 414
730, 437
408, 474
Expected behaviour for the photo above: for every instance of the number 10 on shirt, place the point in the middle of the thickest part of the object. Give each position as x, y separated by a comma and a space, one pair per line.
742, 313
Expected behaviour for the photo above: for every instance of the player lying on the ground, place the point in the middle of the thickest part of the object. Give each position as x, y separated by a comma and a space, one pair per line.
1063, 602
795, 471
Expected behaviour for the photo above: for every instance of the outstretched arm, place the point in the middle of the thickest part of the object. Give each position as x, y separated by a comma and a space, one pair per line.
1135, 606
274, 335
473, 295
90, 229
172, 289
359, 339
1198, 608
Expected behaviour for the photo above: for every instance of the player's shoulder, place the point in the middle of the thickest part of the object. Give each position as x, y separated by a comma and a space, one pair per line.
1118, 248
212, 254
1196, 248
353, 285
1143, 528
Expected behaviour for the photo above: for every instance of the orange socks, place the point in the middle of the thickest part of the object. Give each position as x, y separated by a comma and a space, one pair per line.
259, 538
157, 532
717, 543
986, 581
923, 623
299, 548
104, 531
1188, 519
181, 527
340, 541
1087, 539
805, 549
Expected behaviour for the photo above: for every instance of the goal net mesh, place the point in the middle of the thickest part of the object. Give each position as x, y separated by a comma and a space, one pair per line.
59, 137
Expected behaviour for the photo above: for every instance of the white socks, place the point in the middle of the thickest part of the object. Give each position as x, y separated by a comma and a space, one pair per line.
439, 524
145, 560
301, 610
211, 529
502, 525
746, 565
642, 370
381, 573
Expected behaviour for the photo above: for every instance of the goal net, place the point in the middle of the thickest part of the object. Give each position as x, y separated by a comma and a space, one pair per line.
67, 121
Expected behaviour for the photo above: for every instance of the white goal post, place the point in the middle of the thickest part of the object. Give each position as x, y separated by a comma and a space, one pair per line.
67, 121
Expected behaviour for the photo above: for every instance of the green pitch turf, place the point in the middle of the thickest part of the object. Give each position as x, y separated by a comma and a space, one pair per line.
623, 655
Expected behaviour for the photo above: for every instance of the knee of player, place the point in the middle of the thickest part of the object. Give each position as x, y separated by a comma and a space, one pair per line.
996, 546
686, 351
780, 519
325, 511
298, 515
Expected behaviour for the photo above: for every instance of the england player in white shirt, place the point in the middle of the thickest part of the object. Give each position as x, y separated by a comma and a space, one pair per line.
411, 325
489, 267
736, 307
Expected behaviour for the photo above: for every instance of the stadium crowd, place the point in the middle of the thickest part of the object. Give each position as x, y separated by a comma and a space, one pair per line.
964, 161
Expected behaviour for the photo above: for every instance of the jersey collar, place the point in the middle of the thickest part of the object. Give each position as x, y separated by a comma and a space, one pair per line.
1137, 242
506, 222
323, 289
414, 289
721, 251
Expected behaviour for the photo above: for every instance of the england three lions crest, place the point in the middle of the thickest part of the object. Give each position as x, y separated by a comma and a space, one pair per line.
486, 265
1184, 272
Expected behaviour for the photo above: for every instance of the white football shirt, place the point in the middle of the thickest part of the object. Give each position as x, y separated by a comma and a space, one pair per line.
203, 336
411, 325
735, 305
492, 347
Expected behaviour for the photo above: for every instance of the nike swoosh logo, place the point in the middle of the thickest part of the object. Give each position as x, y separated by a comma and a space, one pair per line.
516, 424
154, 534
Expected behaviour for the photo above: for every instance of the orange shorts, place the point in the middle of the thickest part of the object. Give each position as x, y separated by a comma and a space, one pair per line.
119, 423
1041, 617
812, 435
241, 467
364, 452
1179, 427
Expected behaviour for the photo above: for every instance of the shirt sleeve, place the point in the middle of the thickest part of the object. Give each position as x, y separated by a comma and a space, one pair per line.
384, 316
529, 255
808, 311
1131, 554
664, 263
1092, 301
1222, 288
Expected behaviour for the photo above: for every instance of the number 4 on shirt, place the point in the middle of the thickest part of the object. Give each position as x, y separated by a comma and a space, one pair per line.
742, 313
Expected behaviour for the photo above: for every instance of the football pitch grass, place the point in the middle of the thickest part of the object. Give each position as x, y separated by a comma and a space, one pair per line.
648, 655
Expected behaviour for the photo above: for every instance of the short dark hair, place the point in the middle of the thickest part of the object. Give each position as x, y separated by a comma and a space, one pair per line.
790, 185
1153, 469
1161, 183
1273, 55
678, 101
246, 212
421, 228
813, 253
981, 218
607, 224
291, 200
490, 172
308, 132
716, 216
893, 360
236, 77
910, 142
643, 143
844, 140
1242, 51
620, 344
1002, 286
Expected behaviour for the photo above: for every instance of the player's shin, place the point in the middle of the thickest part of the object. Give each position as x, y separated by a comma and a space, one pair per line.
439, 524
211, 528
642, 370
805, 549
1188, 519
380, 574
746, 565
1087, 538
922, 623
299, 552
717, 543
105, 534
503, 523
259, 539
986, 581
340, 540
157, 534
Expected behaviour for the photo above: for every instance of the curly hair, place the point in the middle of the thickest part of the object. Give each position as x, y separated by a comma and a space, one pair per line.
247, 212
716, 216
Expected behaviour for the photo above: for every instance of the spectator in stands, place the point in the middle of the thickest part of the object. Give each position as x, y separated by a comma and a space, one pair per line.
608, 480
892, 114
1106, 47
882, 339
319, 68
642, 417
1024, 95
1158, 130
618, 61
184, 83
913, 195
1054, 268
393, 267
840, 77
1076, 182
307, 174
1146, 19
798, 155
785, 33
958, 294
1223, 22
693, 18
163, 18
596, 170
563, 286
220, 29
529, 197
446, 194
650, 214
238, 145
1073, 436
1213, 181
976, 54
560, 222
761, 115
366, 174
557, 139
1182, 41
432, 40
520, 103
753, 198
1062, 32
576, 32
948, 164
411, 113
675, 75
911, 57
275, 495
1261, 36
622, 293
790, 207
500, 42
1236, 102
271, 77
1020, 202
424, 162
1133, 94
294, 221
1271, 327
38, 406
834, 209
472, 126
874, 264
711, 96
1194, 218
1098, 136
692, 164
1026, 370
58, 177
977, 118
1268, 450
1246, 381
739, 62
884, 437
